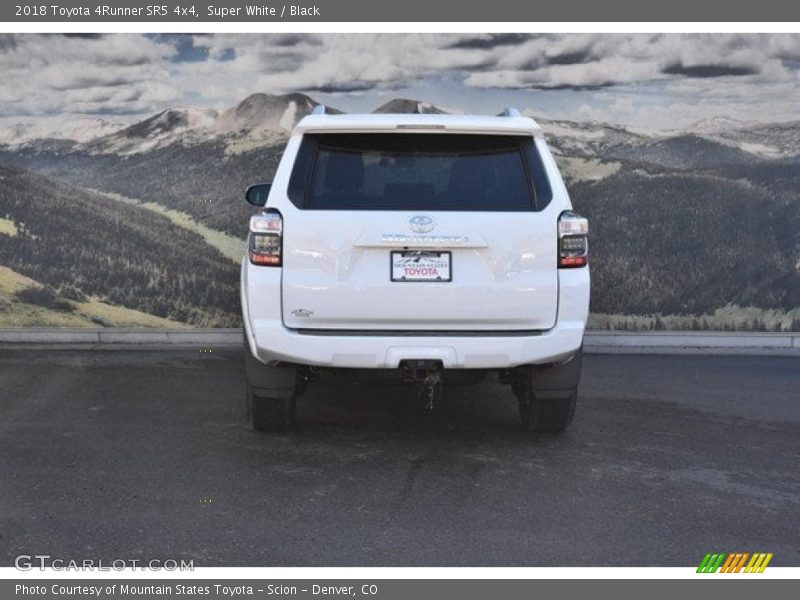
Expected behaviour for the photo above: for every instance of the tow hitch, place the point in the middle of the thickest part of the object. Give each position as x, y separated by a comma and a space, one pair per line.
430, 391
427, 374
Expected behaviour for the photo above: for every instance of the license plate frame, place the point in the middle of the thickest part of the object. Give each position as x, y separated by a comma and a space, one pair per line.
439, 259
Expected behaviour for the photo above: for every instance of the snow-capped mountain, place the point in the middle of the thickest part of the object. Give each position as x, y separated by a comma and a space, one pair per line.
772, 140
261, 114
705, 144
159, 130
588, 138
21, 130
715, 125
769, 141
264, 120
258, 120
407, 106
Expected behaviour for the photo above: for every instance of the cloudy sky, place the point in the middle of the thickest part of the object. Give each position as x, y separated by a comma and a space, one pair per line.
647, 81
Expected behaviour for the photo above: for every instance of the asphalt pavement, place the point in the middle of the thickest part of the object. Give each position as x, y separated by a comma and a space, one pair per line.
143, 454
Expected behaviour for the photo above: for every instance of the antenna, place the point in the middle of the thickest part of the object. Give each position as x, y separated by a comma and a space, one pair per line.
511, 112
319, 109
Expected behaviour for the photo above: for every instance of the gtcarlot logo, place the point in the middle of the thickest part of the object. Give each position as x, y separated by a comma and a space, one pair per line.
29, 562
734, 562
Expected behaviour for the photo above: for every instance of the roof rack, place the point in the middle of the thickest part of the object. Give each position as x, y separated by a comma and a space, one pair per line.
319, 109
510, 112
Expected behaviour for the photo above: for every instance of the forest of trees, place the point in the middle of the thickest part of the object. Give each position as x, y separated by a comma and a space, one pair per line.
674, 243
70, 238
201, 180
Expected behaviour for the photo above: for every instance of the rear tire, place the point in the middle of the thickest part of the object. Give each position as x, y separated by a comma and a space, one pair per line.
546, 416
270, 414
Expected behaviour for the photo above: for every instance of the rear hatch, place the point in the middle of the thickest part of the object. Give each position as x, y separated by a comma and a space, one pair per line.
419, 232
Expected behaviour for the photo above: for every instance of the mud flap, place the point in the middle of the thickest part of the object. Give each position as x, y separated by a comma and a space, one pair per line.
553, 381
273, 381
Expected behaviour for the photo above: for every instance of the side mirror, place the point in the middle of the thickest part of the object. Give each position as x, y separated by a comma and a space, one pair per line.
257, 194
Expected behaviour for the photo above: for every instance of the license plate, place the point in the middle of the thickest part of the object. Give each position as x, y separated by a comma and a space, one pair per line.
417, 265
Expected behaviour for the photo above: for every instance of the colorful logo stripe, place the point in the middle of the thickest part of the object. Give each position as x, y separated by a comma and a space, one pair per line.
734, 562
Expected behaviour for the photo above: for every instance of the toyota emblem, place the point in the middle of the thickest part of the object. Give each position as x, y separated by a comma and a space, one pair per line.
421, 224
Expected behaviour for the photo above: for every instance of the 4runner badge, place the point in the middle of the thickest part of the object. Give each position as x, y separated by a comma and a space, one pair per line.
302, 313
421, 224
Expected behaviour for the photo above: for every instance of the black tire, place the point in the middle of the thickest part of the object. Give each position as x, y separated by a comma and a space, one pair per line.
550, 415
270, 414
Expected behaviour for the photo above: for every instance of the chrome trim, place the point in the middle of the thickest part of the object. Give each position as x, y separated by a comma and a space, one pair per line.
401, 239
419, 332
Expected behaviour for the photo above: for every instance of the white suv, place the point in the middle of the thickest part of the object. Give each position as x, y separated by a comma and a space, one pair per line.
435, 246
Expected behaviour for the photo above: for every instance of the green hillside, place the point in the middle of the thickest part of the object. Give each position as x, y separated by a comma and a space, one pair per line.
86, 247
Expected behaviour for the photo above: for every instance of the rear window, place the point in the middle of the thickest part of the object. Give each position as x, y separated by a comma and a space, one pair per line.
418, 172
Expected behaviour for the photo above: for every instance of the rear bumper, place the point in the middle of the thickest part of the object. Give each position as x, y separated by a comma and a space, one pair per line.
271, 342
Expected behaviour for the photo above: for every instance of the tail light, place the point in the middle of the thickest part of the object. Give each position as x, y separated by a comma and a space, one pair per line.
573, 240
265, 244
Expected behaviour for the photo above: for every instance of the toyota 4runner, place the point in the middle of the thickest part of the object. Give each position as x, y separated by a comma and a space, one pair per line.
432, 246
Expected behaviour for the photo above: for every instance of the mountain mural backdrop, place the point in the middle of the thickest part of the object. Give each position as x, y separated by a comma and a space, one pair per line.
144, 225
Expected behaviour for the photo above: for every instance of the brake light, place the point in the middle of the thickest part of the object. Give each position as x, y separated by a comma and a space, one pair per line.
573, 240
265, 243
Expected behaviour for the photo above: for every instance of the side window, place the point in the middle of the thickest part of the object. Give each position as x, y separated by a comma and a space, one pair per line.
301, 171
541, 182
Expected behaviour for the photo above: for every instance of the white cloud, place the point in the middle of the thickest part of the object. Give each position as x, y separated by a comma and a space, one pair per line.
641, 78
45, 74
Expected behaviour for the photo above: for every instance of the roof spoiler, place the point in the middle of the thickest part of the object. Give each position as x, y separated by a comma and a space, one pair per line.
319, 109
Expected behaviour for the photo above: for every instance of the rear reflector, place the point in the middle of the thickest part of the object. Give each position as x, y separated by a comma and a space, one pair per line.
573, 261
573, 240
